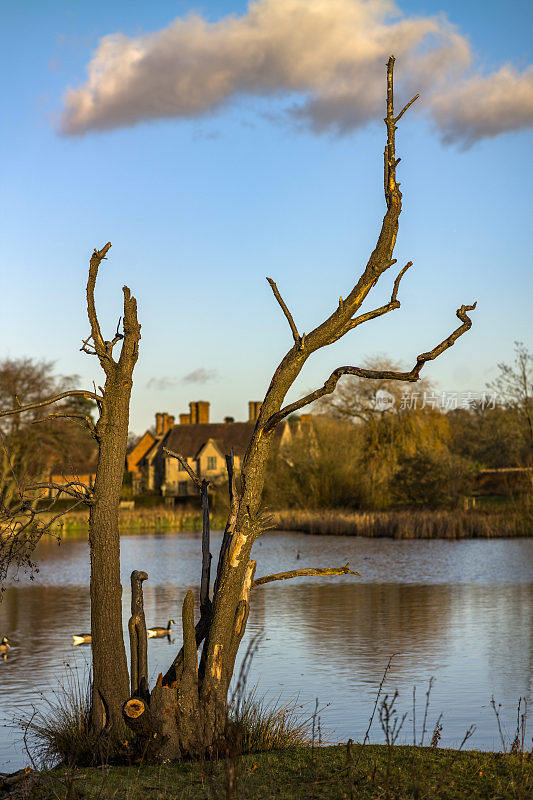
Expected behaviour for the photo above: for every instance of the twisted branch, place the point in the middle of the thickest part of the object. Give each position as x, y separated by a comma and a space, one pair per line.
413, 375
96, 259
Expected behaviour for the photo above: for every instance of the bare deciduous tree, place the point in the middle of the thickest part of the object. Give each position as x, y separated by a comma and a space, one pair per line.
196, 692
514, 385
110, 673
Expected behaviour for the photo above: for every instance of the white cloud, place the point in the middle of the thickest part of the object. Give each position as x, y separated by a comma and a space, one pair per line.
483, 107
161, 384
331, 53
200, 375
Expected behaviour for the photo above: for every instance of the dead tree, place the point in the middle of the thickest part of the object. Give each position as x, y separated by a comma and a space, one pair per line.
110, 673
198, 691
138, 636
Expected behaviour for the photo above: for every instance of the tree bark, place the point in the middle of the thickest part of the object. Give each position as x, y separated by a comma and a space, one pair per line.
110, 672
138, 636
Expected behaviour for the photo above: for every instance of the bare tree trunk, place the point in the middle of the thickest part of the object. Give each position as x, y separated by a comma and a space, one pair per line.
138, 636
110, 673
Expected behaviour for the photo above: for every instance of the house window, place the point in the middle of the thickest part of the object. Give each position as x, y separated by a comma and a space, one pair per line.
211, 462
182, 468
182, 487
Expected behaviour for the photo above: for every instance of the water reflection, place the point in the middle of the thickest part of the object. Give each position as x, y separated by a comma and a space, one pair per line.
459, 611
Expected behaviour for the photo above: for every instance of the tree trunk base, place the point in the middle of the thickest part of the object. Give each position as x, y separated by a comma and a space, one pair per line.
173, 724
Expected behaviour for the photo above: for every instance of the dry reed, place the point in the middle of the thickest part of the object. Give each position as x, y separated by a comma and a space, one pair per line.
427, 524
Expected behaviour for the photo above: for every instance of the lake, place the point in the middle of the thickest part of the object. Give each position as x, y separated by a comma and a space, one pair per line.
458, 611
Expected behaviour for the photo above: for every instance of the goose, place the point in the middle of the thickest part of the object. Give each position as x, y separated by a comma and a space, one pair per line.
154, 633
4, 645
81, 638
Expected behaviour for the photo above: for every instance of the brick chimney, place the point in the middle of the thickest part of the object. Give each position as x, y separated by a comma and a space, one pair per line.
199, 412
168, 422
254, 407
229, 419
185, 419
158, 424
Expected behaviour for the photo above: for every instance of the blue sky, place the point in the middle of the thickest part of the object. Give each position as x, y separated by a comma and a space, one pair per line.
200, 208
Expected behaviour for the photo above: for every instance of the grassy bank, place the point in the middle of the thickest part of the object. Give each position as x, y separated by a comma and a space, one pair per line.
344, 771
420, 524
159, 518
423, 524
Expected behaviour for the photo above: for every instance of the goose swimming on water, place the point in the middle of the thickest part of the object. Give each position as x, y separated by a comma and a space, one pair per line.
4, 645
152, 633
81, 638
155, 633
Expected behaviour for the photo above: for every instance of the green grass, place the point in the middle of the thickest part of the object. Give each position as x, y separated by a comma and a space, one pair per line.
491, 521
271, 752
156, 519
327, 773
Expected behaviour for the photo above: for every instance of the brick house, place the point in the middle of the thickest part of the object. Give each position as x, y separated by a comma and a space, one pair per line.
202, 443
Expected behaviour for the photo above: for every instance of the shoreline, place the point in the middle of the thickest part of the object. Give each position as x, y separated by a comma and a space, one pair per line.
394, 524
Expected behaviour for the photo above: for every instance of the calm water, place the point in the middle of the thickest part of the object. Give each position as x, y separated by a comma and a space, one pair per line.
458, 611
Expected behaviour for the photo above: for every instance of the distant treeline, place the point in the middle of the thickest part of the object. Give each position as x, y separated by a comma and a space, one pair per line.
382, 444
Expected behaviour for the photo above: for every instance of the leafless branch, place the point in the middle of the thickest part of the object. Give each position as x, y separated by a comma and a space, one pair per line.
96, 259
404, 109
66, 488
21, 528
202, 485
85, 345
295, 334
205, 602
88, 421
132, 330
50, 400
378, 312
297, 573
381, 259
196, 480
413, 375
230, 524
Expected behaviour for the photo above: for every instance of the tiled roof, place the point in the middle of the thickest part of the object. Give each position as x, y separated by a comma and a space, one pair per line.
187, 440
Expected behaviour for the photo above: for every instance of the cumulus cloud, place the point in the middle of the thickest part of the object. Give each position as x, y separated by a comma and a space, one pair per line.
200, 375
329, 54
483, 107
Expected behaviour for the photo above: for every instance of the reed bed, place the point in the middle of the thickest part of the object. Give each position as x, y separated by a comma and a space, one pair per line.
396, 524
404, 524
